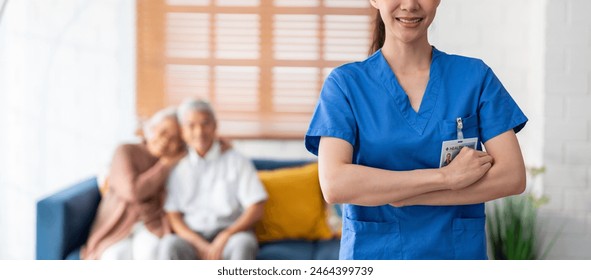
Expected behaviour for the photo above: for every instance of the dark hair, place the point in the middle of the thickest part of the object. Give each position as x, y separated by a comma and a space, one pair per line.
379, 34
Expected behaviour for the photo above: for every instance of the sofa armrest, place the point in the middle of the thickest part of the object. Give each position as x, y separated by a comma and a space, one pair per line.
64, 219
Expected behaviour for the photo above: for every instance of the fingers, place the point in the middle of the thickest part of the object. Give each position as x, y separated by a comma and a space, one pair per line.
468, 167
485, 167
485, 159
468, 151
477, 152
214, 254
481, 153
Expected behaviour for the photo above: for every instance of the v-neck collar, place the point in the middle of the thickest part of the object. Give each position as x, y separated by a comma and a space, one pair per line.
417, 120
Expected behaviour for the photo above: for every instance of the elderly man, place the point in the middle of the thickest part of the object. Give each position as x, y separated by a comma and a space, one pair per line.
214, 194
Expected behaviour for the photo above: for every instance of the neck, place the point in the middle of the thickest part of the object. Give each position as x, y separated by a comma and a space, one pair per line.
408, 58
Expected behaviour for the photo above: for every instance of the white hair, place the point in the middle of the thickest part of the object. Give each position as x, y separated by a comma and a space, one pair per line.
194, 105
157, 118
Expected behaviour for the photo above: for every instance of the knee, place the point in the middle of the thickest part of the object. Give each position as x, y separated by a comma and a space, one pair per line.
167, 247
172, 247
242, 245
243, 239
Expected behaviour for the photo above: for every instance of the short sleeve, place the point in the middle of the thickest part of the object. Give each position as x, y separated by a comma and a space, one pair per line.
250, 188
498, 111
332, 117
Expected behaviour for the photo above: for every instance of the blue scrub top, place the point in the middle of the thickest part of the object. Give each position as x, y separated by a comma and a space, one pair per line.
363, 104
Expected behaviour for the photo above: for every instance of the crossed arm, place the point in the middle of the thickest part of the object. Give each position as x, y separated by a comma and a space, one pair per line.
472, 177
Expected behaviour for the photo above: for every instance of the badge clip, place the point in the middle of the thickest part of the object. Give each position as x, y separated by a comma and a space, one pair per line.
460, 126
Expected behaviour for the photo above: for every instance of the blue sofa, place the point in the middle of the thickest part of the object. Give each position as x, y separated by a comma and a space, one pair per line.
64, 220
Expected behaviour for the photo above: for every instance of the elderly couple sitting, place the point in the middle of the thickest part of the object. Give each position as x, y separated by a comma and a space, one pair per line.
165, 201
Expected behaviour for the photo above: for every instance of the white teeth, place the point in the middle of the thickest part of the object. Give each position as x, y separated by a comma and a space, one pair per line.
409, 20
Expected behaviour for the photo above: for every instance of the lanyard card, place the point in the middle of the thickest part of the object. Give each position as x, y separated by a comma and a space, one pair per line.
450, 149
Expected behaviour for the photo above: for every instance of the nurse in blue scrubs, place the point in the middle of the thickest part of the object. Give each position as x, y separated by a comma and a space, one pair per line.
379, 131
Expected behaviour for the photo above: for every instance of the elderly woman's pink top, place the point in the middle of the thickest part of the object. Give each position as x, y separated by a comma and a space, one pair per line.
136, 193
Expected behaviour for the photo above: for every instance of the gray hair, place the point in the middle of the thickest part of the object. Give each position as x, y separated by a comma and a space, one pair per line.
194, 105
157, 118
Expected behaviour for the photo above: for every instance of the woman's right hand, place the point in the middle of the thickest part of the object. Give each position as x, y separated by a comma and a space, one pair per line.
467, 168
171, 160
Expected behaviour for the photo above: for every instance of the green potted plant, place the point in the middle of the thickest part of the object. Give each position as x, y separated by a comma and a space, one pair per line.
511, 226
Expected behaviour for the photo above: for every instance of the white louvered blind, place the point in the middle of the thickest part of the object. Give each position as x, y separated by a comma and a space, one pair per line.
260, 62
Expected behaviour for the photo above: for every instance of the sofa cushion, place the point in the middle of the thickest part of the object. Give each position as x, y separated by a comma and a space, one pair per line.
295, 208
74, 255
327, 249
300, 250
287, 250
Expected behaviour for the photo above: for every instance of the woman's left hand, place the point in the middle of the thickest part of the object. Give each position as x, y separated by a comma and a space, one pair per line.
225, 144
172, 160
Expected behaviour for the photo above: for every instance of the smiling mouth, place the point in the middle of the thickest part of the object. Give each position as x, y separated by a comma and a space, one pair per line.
409, 20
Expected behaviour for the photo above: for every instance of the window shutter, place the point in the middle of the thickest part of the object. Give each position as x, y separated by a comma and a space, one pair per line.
261, 63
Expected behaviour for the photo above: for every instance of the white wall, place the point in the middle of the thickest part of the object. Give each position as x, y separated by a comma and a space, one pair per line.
273, 149
66, 99
508, 36
567, 114
541, 51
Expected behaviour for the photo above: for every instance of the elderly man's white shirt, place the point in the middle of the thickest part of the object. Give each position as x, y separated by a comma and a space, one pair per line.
212, 192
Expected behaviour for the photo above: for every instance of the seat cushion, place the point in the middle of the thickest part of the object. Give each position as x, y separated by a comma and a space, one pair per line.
287, 250
74, 255
327, 250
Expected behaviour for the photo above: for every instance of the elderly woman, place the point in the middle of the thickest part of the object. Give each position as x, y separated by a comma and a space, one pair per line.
130, 220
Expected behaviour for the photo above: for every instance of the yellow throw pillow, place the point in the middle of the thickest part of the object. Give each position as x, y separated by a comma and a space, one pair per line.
295, 208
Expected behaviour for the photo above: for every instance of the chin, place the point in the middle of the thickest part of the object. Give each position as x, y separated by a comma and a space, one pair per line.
199, 146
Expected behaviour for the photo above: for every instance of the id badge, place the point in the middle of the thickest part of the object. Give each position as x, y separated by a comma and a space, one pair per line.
450, 149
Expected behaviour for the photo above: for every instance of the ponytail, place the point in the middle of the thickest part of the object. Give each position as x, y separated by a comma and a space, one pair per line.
379, 34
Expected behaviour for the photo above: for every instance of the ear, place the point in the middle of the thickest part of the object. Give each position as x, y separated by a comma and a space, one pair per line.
374, 3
